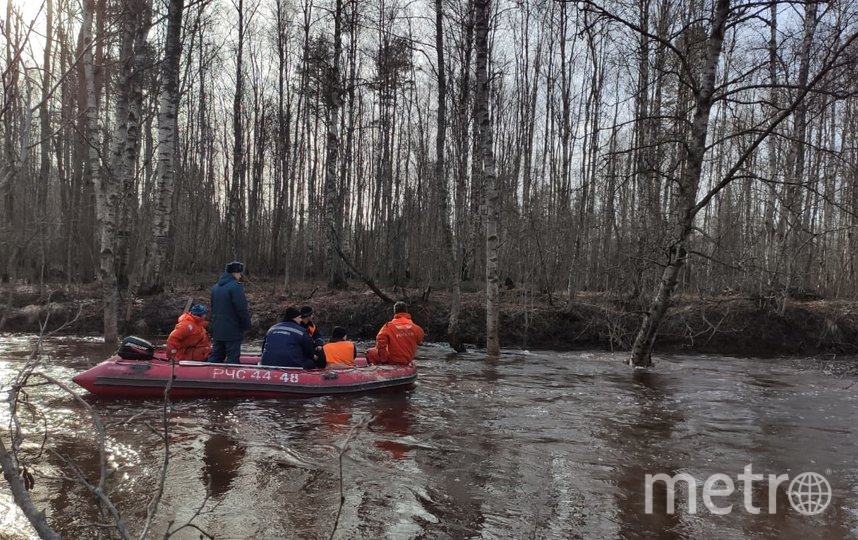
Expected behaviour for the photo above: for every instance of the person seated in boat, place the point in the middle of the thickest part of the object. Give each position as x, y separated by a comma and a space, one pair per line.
308, 321
288, 344
397, 341
230, 317
189, 339
340, 352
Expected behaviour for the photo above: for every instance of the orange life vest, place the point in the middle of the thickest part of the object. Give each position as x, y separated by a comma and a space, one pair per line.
311, 328
340, 352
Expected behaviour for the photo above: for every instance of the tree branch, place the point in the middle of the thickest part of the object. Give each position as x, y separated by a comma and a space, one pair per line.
366, 279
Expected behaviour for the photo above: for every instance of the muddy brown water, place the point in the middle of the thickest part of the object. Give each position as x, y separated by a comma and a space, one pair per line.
533, 445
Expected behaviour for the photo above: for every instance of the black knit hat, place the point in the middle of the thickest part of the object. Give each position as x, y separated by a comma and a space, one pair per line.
290, 314
234, 267
338, 333
306, 311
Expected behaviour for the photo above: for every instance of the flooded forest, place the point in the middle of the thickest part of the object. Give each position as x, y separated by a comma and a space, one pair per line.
634, 150
527, 174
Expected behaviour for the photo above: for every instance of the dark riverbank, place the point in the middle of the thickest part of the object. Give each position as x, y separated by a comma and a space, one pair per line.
735, 325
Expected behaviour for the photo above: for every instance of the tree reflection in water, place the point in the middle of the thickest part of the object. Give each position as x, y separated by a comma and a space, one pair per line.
651, 413
392, 416
222, 457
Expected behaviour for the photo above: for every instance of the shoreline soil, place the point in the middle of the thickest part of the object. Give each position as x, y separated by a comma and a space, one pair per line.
730, 325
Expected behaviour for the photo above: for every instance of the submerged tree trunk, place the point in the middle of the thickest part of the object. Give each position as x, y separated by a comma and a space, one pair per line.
685, 208
462, 149
126, 150
162, 209
441, 184
489, 175
106, 193
45, 150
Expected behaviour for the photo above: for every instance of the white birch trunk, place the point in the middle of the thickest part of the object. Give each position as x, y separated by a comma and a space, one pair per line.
490, 176
126, 142
685, 208
104, 185
162, 211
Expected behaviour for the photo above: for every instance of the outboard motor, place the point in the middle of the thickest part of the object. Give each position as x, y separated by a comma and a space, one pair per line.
135, 348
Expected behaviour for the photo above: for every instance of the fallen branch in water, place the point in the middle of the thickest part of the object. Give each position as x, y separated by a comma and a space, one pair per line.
20, 480
16, 475
343, 449
21, 495
152, 507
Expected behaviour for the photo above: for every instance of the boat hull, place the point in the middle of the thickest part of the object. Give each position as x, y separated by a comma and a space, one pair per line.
120, 378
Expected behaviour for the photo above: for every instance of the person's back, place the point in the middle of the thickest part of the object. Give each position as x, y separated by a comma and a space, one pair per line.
288, 344
230, 318
397, 341
189, 339
340, 352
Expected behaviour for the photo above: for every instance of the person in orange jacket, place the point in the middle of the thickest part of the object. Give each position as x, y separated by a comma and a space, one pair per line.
340, 352
189, 339
397, 341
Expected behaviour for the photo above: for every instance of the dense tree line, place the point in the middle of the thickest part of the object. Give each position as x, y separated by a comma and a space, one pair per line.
621, 147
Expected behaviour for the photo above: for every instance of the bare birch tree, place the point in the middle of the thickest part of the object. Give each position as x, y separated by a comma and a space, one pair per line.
104, 185
333, 101
162, 209
485, 144
686, 204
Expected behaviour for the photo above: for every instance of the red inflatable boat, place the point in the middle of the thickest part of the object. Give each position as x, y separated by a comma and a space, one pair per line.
146, 378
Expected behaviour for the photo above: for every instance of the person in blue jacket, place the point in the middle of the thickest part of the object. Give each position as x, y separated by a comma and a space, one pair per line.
288, 344
229, 315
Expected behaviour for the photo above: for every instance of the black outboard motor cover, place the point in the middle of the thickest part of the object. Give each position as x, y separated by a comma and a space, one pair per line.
135, 348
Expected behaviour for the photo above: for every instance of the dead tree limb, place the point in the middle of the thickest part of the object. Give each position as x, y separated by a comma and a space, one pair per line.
19, 479
22, 498
343, 449
366, 279
152, 507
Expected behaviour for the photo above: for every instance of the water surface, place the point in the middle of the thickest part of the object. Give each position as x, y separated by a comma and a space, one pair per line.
533, 445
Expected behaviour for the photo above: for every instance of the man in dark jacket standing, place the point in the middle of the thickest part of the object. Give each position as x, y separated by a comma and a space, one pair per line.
229, 318
288, 344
